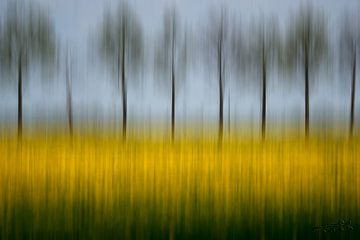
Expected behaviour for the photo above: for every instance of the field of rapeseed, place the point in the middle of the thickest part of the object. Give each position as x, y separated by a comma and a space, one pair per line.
105, 188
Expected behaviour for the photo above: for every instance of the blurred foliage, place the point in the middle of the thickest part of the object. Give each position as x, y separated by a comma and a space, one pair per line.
172, 28
265, 43
217, 44
111, 40
349, 40
27, 35
307, 37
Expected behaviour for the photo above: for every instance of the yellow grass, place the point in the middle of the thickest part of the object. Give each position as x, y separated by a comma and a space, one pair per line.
104, 188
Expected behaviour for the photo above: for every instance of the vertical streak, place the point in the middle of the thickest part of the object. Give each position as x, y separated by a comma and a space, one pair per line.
306, 66
123, 87
263, 115
69, 97
352, 110
20, 95
173, 82
220, 53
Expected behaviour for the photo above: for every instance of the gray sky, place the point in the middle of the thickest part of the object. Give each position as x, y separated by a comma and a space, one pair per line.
75, 20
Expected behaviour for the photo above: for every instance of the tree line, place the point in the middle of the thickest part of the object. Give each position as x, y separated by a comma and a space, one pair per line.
27, 38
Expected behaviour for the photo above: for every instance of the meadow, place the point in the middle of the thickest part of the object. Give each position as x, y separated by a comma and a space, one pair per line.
87, 187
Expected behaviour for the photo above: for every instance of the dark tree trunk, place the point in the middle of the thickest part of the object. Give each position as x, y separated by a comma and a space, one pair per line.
263, 107
307, 115
173, 107
352, 109
173, 85
229, 114
20, 97
69, 100
123, 84
221, 97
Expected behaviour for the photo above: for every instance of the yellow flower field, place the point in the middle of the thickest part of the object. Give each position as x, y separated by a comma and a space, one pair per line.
104, 188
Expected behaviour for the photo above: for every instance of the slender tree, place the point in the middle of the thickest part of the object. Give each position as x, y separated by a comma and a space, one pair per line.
264, 49
68, 94
218, 45
307, 46
349, 50
239, 56
121, 44
171, 57
28, 38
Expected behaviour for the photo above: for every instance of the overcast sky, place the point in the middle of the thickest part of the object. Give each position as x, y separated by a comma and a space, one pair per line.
75, 20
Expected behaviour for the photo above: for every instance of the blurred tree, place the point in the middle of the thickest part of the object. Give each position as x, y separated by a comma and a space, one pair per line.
349, 50
68, 93
264, 52
239, 56
121, 44
218, 45
28, 38
171, 54
307, 46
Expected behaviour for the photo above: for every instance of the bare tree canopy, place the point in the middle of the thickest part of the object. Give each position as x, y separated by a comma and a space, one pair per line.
307, 39
27, 33
172, 35
349, 39
120, 28
27, 37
